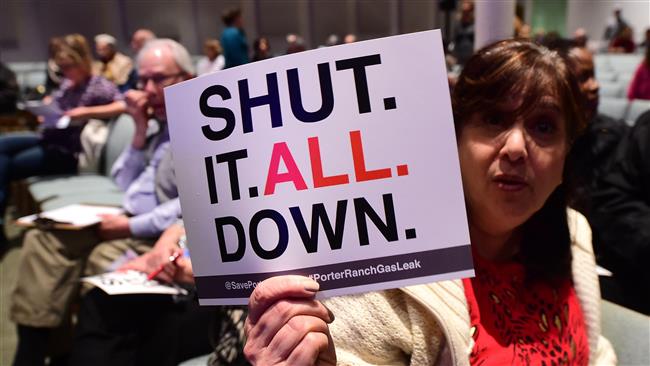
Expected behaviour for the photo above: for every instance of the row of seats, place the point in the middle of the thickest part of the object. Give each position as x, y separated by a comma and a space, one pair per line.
615, 89
94, 188
617, 63
29, 75
621, 108
614, 73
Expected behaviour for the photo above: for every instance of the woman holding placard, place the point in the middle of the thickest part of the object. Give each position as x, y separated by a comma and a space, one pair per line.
535, 297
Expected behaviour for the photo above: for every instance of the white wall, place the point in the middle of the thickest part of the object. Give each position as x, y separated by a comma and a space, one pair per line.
594, 15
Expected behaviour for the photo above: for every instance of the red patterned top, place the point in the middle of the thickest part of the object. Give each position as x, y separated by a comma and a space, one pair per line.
517, 323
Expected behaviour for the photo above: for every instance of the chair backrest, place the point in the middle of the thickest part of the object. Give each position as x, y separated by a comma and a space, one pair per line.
625, 80
606, 76
34, 78
611, 90
120, 135
637, 108
601, 62
626, 63
613, 107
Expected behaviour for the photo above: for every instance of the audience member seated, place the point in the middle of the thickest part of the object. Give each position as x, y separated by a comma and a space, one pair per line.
623, 43
621, 221
615, 26
145, 329
464, 33
516, 113
140, 37
350, 38
640, 85
295, 44
52, 260
580, 38
55, 151
112, 64
8, 90
261, 49
156, 330
592, 152
213, 59
54, 75
233, 39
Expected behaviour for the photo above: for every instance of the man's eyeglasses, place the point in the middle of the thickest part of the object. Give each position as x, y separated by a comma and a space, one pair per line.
157, 80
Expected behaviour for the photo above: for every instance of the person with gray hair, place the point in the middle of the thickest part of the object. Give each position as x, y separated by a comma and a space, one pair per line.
177, 51
52, 260
111, 64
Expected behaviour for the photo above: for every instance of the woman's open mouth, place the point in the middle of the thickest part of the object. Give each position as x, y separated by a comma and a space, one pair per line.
510, 183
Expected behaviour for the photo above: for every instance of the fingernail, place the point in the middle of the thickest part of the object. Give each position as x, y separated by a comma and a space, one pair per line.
331, 315
311, 286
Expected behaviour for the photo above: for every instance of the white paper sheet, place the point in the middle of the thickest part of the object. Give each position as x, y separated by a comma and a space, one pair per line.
131, 282
77, 215
50, 112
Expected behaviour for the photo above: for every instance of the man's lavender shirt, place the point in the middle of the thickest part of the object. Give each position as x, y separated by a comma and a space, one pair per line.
135, 173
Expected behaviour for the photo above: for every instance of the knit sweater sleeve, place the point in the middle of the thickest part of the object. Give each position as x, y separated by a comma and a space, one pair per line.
585, 282
381, 328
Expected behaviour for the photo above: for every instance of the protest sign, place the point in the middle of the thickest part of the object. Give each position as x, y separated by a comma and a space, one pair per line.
338, 163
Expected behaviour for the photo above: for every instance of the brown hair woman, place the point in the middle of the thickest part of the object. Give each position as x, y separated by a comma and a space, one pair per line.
535, 296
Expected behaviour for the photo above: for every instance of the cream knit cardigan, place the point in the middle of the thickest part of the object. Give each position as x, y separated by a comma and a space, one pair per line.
430, 324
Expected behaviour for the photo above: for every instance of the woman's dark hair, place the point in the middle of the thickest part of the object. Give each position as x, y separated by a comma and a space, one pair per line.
520, 67
230, 15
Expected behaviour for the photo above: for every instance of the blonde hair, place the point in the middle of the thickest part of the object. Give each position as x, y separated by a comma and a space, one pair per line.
213, 44
74, 49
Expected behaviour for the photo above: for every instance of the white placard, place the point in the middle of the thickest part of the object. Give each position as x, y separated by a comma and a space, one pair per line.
338, 163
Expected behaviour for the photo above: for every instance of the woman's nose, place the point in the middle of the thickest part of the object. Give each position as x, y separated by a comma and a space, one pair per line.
594, 86
514, 146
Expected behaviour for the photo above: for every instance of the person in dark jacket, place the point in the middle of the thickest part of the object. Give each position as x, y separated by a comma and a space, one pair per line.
8, 90
621, 221
593, 152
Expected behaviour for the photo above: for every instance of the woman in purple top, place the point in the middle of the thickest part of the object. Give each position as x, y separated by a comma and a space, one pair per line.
82, 96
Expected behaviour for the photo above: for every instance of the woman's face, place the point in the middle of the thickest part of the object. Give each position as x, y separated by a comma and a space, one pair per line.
74, 72
510, 163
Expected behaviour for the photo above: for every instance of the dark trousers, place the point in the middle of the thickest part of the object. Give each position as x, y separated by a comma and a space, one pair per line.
140, 330
23, 155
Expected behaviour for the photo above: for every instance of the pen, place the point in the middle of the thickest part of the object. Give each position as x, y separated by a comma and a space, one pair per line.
172, 259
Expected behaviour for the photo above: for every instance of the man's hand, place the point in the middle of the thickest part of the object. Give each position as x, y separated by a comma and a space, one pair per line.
183, 271
137, 105
114, 227
151, 261
159, 255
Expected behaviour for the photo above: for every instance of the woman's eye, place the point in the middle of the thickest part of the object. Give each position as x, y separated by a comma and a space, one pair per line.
544, 127
493, 119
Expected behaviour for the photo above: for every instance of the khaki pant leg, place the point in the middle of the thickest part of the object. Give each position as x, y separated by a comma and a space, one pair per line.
48, 275
107, 252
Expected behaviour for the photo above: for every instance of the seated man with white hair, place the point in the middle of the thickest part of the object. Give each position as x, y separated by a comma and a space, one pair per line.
52, 260
113, 65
